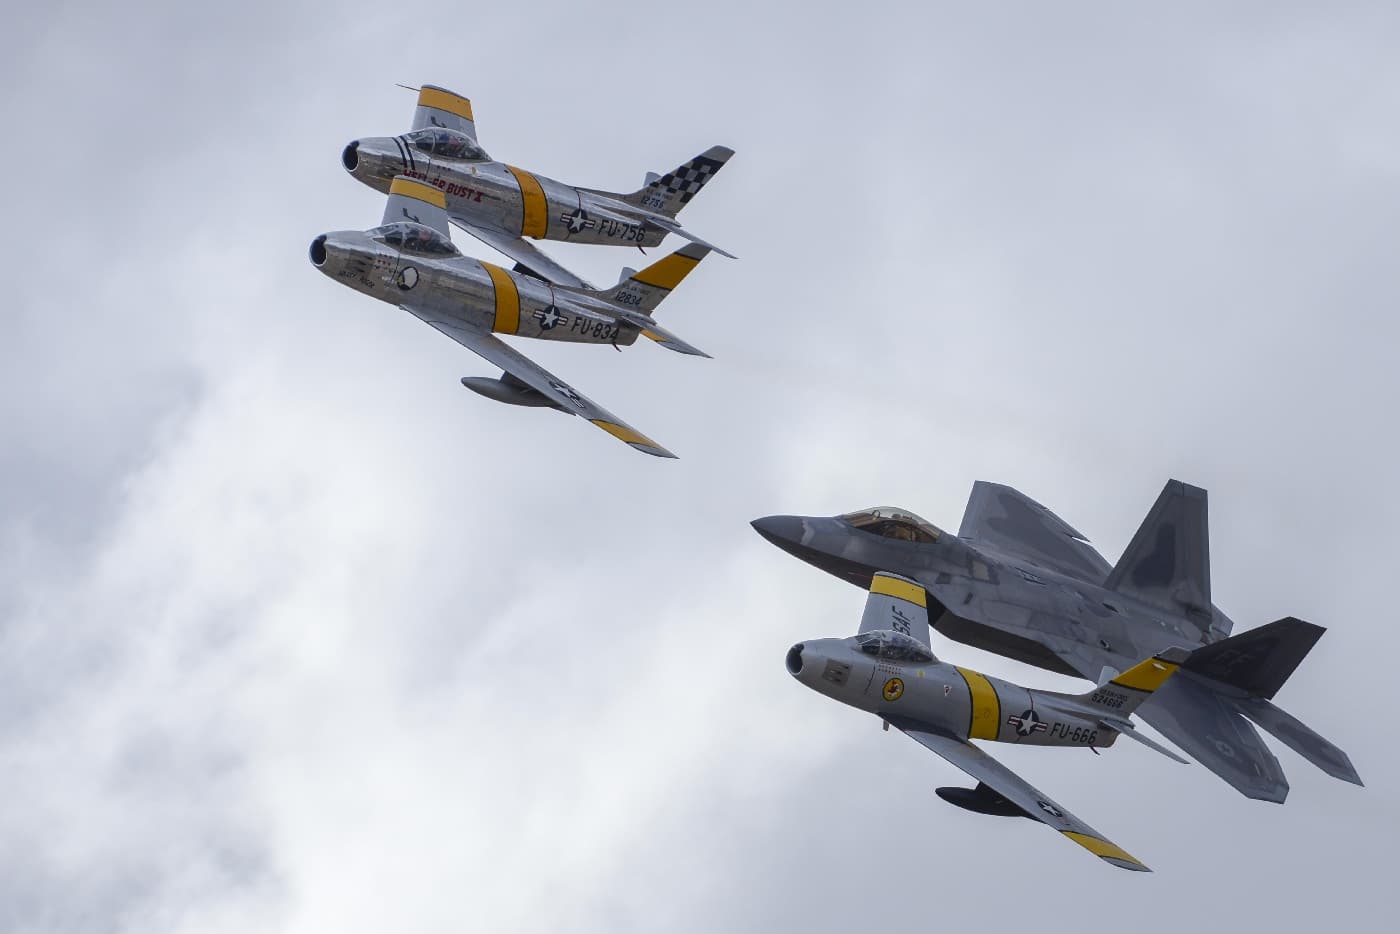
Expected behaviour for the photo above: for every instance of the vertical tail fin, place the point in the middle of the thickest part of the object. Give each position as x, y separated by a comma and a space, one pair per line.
643, 291
1120, 696
670, 192
896, 603
1167, 563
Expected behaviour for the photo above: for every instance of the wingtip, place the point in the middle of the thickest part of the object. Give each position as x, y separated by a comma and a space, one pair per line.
1125, 864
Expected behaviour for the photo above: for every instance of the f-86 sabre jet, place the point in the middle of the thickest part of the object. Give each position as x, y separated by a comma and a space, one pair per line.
501, 204
1019, 581
410, 261
888, 670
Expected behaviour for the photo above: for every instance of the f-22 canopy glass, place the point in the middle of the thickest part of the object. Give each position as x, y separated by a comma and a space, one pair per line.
447, 144
893, 522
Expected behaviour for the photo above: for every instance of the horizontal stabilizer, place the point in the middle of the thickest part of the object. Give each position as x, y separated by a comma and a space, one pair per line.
662, 336
1259, 661
1288, 730
1126, 728
687, 235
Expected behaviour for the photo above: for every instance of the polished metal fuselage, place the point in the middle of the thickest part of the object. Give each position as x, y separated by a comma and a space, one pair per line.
940, 696
497, 196
460, 290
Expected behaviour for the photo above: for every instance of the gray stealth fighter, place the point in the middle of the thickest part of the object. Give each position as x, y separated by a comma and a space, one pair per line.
887, 669
1019, 581
501, 205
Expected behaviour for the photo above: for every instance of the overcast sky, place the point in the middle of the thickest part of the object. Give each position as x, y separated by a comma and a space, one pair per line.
297, 635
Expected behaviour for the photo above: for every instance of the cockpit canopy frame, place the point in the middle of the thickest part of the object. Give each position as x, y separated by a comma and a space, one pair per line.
894, 646
442, 143
896, 523
415, 238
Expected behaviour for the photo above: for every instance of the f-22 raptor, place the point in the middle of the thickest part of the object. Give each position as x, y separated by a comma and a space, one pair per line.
1019, 581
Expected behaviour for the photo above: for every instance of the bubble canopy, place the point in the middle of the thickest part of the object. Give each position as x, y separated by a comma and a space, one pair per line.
447, 144
893, 522
414, 238
894, 646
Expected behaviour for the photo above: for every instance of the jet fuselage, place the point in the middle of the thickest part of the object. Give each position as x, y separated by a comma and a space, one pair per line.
463, 290
495, 195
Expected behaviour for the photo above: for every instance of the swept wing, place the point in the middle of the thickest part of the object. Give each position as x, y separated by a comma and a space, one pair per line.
536, 377
526, 254
1021, 793
1009, 521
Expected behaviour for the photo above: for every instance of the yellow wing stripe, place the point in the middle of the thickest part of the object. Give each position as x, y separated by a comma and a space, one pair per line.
507, 320
624, 434
1146, 676
536, 217
902, 590
1102, 848
985, 722
667, 272
439, 99
422, 191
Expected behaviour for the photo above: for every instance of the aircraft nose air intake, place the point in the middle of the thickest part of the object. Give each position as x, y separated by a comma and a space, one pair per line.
794, 659
318, 251
780, 530
350, 158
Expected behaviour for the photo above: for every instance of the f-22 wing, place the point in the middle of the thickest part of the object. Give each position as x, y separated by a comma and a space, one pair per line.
1025, 798
560, 395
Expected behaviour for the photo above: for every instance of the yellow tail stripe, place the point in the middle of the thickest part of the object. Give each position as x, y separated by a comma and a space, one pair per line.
1146, 676
536, 219
1102, 847
507, 320
985, 722
901, 590
667, 272
412, 188
623, 433
439, 99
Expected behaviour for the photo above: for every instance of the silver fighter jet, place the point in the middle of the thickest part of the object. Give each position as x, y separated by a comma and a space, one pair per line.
501, 204
410, 261
888, 670
1019, 581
